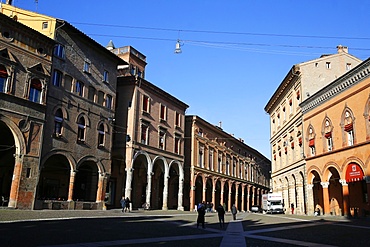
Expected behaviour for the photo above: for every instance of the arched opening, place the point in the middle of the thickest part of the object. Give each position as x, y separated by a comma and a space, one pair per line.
209, 189
226, 196
218, 193
7, 161
86, 182
357, 189
198, 190
157, 186
318, 199
335, 192
139, 181
173, 187
54, 179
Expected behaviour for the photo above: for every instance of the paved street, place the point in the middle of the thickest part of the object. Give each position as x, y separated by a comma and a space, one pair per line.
173, 228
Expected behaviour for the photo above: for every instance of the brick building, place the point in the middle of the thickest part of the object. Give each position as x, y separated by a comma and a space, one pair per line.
25, 68
221, 169
148, 146
75, 162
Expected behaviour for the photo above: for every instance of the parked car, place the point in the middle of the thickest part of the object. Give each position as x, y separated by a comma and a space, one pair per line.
255, 209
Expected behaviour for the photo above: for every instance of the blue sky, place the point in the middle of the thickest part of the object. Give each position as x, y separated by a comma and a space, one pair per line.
234, 53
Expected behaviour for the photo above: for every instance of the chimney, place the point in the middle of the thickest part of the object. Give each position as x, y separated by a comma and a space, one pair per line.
342, 49
9, 2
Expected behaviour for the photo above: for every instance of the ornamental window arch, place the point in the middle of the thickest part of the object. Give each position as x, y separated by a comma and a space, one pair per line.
311, 139
348, 124
327, 132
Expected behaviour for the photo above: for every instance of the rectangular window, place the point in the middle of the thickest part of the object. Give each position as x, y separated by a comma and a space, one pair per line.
219, 163
3, 84
92, 92
57, 78
163, 112
177, 119
350, 138
328, 65
100, 98
211, 160
177, 144
87, 65
79, 89
162, 139
201, 159
108, 102
45, 25
105, 76
330, 144
59, 51
144, 133
146, 103
348, 66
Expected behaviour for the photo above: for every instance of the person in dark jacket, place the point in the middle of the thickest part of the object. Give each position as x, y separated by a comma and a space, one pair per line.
123, 203
201, 213
221, 215
234, 211
127, 204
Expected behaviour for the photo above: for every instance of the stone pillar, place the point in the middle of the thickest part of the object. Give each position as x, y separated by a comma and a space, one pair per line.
165, 194
229, 201
149, 188
214, 199
72, 177
192, 198
248, 197
310, 200
99, 191
300, 201
16, 181
253, 195
236, 200
129, 174
243, 198
204, 193
345, 193
325, 192
180, 195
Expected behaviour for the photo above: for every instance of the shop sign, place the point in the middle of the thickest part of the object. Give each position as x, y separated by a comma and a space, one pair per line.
354, 173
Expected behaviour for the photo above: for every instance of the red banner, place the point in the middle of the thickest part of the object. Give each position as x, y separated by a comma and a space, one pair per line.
354, 173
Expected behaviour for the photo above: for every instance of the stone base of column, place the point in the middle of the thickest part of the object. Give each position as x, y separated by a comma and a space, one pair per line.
180, 208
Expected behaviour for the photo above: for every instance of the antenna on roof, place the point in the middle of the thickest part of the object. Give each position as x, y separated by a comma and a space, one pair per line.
37, 4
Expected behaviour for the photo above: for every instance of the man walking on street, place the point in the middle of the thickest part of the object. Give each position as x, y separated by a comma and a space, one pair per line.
234, 211
221, 215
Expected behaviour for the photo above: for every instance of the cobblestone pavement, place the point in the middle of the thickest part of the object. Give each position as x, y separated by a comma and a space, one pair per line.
57, 228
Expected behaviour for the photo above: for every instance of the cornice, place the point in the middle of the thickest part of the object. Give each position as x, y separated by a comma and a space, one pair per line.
351, 78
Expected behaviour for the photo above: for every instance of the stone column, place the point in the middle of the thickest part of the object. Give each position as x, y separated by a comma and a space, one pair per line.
300, 201
129, 174
236, 200
253, 195
16, 181
72, 177
345, 192
165, 194
243, 198
229, 201
148, 188
204, 192
325, 192
310, 200
248, 198
180, 195
192, 198
214, 198
99, 191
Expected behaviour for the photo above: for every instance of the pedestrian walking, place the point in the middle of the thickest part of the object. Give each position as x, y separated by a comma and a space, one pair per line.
201, 213
234, 211
221, 215
292, 207
123, 203
127, 201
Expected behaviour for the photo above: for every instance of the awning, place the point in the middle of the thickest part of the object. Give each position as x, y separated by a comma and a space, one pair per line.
354, 173
311, 143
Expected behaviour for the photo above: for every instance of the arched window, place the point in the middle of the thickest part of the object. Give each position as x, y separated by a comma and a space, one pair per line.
35, 91
328, 135
101, 135
58, 123
348, 127
81, 129
311, 140
3, 79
